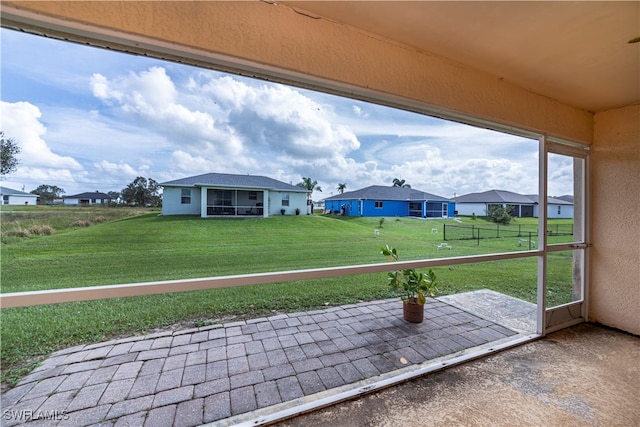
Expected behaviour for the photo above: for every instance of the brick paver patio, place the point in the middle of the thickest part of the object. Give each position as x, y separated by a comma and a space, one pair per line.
202, 375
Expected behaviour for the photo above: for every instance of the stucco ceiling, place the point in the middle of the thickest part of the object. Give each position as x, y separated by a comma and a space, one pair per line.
576, 52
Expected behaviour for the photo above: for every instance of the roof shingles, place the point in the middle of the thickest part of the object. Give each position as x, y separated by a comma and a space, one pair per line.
233, 181
380, 192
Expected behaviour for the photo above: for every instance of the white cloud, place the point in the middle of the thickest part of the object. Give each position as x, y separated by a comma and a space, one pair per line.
276, 117
195, 165
152, 98
21, 121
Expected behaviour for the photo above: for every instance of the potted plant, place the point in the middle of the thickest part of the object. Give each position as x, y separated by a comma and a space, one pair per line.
412, 286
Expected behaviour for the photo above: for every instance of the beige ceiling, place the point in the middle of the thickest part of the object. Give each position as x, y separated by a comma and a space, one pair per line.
575, 52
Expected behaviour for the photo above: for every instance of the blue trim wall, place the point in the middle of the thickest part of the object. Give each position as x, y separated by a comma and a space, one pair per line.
354, 207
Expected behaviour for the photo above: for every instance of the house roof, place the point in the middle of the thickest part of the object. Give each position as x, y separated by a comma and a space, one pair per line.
553, 200
233, 181
89, 195
381, 192
566, 197
502, 196
495, 196
11, 192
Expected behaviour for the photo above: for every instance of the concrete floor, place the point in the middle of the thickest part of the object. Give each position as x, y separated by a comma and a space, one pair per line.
582, 376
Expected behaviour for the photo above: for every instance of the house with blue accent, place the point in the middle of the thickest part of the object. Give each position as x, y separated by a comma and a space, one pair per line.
222, 195
379, 200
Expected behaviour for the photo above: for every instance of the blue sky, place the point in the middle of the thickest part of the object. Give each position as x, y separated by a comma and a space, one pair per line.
90, 119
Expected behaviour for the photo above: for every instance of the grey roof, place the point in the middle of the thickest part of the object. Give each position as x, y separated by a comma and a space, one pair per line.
89, 195
553, 200
566, 198
556, 201
502, 196
495, 196
234, 181
11, 192
381, 192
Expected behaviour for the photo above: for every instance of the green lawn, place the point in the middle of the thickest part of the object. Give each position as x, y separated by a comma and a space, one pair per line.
120, 248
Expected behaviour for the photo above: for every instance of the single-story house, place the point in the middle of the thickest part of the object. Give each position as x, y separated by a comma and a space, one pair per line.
229, 195
557, 207
379, 200
89, 198
522, 206
17, 197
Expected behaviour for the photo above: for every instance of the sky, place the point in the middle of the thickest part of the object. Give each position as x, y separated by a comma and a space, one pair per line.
90, 119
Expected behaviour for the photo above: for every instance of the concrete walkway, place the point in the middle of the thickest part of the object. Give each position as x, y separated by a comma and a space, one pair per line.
209, 374
584, 376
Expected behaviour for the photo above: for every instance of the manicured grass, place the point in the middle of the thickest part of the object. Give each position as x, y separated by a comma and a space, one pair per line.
149, 247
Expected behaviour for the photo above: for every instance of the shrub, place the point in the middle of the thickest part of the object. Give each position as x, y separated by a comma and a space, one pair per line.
81, 223
99, 219
44, 230
16, 233
498, 214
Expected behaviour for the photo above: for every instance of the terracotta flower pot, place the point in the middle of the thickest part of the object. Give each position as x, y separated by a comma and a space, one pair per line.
413, 312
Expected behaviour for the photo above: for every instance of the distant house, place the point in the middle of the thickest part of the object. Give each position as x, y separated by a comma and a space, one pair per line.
16, 197
378, 200
520, 205
557, 207
228, 195
87, 199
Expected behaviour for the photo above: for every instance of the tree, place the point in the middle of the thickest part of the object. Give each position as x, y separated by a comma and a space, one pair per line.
400, 183
115, 196
142, 192
341, 187
9, 151
309, 184
48, 193
499, 214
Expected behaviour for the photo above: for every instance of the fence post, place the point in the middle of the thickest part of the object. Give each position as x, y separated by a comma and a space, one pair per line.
497, 231
444, 232
530, 240
478, 236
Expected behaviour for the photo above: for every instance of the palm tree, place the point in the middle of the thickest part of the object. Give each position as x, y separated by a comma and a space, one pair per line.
400, 183
341, 187
309, 184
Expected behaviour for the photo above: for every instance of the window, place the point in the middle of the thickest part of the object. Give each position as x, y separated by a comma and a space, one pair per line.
253, 195
378, 205
285, 199
559, 209
185, 197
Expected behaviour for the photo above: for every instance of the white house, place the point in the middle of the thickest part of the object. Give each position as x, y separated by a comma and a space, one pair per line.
556, 207
228, 195
521, 205
85, 199
16, 197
